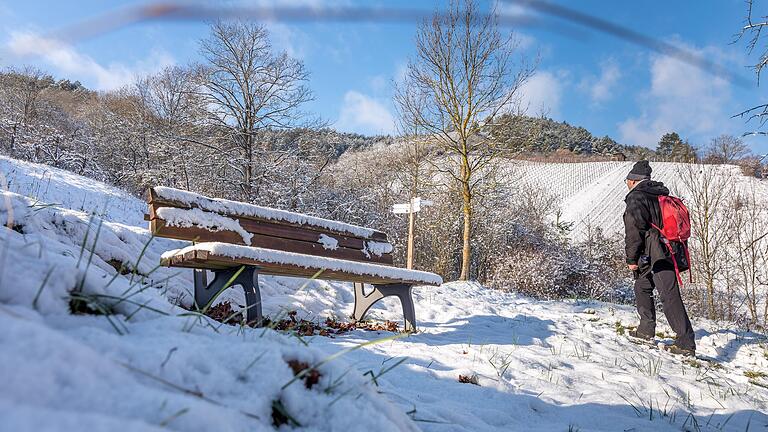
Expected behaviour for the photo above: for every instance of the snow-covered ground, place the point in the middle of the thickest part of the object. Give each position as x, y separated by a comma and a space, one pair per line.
150, 365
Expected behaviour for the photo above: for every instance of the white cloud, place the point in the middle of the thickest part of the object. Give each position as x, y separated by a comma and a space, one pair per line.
510, 8
681, 98
294, 42
541, 94
601, 88
379, 83
72, 64
364, 114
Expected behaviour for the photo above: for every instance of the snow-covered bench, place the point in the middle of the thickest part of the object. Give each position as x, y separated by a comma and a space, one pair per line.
239, 241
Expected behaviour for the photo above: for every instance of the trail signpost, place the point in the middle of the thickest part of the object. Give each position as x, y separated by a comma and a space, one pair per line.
411, 208
401, 208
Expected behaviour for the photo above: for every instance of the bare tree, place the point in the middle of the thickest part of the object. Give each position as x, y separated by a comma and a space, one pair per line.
750, 228
463, 74
172, 96
752, 32
726, 149
707, 192
763, 278
21, 90
248, 88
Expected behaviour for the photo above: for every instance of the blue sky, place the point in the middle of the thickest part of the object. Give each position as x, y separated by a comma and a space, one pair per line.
607, 85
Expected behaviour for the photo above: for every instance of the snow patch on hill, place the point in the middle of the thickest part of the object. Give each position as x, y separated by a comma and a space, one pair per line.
591, 194
70, 191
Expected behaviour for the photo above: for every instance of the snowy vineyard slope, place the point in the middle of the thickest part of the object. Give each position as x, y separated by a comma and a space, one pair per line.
149, 365
592, 193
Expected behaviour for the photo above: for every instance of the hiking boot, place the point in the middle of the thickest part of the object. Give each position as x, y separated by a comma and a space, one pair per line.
686, 352
642, 336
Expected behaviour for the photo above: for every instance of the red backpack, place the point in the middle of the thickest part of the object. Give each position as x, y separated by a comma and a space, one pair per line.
675, 232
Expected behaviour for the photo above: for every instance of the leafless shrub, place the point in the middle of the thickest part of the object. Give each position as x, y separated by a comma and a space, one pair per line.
748, 257
726, 149
538, 261
707, 193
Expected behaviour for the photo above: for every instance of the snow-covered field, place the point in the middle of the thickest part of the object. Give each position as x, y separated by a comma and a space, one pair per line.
150, 365
592, 193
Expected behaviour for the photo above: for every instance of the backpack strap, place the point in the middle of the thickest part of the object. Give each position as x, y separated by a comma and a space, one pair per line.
690, 264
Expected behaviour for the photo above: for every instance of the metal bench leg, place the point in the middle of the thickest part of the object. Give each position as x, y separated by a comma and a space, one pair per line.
201, 278
204, 291
363, 302
248, 279
409, 311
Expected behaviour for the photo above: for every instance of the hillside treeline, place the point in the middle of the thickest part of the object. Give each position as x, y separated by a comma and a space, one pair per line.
543, 135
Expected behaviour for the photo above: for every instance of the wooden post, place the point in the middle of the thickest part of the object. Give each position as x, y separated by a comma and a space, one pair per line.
412, 207
411, 217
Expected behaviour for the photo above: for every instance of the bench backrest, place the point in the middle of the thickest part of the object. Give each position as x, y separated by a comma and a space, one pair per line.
183, 215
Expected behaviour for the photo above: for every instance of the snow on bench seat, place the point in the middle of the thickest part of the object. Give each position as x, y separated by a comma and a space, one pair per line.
215, 255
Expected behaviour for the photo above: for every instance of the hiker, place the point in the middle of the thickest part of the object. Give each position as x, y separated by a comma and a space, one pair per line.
652, 262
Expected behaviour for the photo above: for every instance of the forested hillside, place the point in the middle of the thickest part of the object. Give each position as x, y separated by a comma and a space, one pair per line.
527, 134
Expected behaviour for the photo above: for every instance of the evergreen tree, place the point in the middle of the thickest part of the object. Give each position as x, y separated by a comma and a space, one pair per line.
673, 148
667, 144
684, 152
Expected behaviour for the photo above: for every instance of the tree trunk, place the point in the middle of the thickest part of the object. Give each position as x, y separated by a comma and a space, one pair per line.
13, 140
466, 194
711, 294
248, 171
466, 250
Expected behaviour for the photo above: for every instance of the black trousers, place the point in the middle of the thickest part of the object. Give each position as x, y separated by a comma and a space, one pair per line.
663, 278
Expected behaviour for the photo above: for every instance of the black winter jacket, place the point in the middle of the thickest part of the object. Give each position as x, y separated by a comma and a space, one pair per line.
640, 237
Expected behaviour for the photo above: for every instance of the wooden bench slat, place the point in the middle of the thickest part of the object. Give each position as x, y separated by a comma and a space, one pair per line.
296, 233
156, 202
278, 230
196, 234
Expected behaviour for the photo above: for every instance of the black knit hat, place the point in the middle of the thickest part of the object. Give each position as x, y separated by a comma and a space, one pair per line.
641, 171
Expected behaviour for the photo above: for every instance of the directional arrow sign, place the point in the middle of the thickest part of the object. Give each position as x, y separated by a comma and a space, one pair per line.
401, 208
